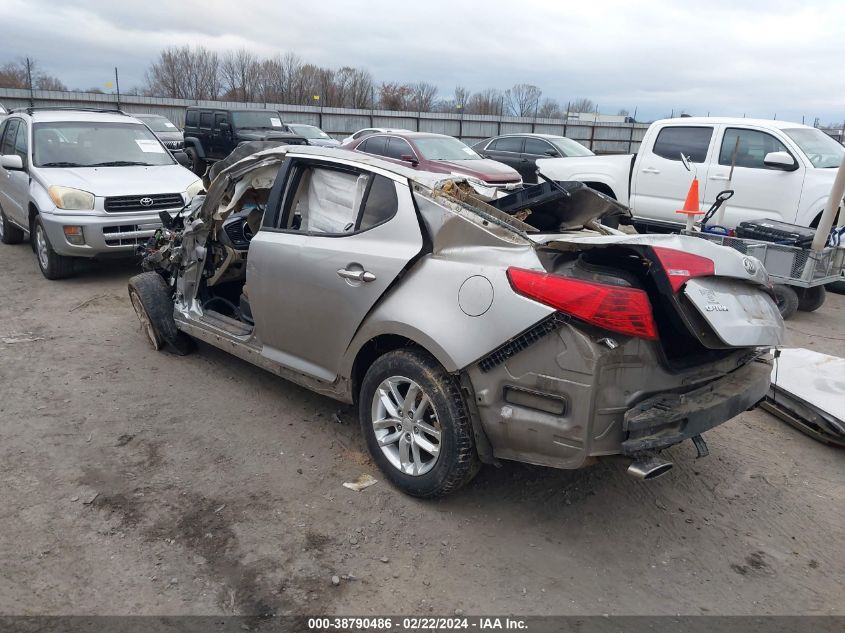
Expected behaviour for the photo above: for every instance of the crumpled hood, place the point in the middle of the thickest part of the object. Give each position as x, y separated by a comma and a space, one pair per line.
484, 169
119, 181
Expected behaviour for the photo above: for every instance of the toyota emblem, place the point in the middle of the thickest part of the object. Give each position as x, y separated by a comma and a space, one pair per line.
146, 201
750, 266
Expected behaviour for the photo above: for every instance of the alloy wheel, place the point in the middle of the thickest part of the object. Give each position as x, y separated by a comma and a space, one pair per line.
406, 426
41, 247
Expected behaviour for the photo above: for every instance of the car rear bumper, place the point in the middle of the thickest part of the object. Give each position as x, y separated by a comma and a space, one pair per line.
667, 419
115, 234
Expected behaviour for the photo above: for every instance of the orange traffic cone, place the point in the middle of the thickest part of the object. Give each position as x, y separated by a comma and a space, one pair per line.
691, 206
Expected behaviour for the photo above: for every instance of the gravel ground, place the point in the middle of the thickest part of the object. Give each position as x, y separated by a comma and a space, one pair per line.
136, 482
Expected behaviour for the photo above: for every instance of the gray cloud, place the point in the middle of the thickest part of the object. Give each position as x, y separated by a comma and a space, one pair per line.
730, 58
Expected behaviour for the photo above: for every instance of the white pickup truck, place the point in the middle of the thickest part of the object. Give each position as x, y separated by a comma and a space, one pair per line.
781, 170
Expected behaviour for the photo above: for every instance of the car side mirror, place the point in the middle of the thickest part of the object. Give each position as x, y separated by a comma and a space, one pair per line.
182, 158
11, 162
408, 158
552, 153
780, 160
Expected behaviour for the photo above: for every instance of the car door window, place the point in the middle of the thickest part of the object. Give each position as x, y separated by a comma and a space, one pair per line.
376, 145
692, 141
507, 144
751, 147
324, 200
397, 148
8, 146
191, 118
538, 147
380, 203
22, 142
218, 119
2, 130
205, 120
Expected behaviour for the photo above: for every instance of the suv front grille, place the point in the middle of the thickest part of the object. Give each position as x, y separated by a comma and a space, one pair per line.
153, 202
174, 144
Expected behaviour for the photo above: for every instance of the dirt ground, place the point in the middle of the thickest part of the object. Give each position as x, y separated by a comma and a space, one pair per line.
136, 482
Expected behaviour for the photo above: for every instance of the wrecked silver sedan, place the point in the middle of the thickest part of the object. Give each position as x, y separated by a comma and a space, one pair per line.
466, 328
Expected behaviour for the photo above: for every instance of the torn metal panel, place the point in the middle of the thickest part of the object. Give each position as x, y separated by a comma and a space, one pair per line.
808, 392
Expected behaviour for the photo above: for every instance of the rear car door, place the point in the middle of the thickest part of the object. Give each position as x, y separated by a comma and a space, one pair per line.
535, 148
660, 181
14, 186
759, 191
507, 150
329, 249
221, 136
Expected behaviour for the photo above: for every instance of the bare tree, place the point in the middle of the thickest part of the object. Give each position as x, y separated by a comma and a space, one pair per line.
549, 109
394, 96
523, 99
423, 96
184, 73
14, 75
240, 73
489, 101
359, 89
582, 104
462, 97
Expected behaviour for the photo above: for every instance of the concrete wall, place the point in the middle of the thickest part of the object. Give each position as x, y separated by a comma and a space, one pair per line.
602, 137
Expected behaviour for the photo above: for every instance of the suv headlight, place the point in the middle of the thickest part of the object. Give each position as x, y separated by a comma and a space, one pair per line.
194, 189
71, 199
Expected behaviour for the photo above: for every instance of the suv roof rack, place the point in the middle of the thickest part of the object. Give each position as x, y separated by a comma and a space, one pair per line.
30, 109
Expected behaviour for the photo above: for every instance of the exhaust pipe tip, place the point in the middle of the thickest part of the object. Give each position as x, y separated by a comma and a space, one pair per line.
649, 467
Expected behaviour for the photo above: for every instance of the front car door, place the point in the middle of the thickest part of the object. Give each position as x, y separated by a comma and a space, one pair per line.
759, 191
660, 181
14, 186
338, 238
206, 122
221, 136
535, 148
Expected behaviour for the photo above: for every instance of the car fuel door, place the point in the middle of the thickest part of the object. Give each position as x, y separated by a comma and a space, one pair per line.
342, 238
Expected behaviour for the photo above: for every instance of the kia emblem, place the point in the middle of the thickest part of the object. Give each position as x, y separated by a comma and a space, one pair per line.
750, 266
146, 201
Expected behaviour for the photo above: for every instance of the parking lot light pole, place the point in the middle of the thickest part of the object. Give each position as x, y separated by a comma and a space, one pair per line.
320, 115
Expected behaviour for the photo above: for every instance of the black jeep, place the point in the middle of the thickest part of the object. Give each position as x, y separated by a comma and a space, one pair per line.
212, 133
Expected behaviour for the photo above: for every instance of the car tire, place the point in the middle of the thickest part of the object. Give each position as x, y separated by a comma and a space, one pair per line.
837, 286
811, 299
442, 423
9, 233
197, 164
153, 304
786, 299
52, 265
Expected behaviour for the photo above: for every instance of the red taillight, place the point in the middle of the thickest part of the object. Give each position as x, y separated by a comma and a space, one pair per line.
681, 266
624, 310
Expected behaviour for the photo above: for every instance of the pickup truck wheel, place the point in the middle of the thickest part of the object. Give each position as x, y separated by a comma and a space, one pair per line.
195, 163
52, 265
416, 426
9, 233
151, 299
811, 299
786, 299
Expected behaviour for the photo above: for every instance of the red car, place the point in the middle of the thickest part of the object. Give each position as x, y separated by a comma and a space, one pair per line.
437, 153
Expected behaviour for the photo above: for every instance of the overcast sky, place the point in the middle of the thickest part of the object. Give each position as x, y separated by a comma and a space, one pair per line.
725, 57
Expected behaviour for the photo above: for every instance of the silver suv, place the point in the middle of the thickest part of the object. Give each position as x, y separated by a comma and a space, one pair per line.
84, 183
465, 328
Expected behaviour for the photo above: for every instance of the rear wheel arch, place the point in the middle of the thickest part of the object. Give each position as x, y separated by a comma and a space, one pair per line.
380, 345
